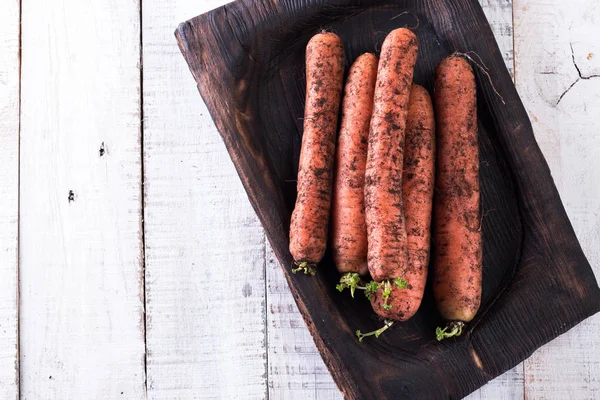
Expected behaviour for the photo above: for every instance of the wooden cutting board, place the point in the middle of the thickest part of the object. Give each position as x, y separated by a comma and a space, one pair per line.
248, 61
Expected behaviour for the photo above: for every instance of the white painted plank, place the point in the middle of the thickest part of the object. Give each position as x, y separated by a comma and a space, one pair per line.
553, 40
204, 244
81, 260
500, 16
9, 198
508, 386
296, 370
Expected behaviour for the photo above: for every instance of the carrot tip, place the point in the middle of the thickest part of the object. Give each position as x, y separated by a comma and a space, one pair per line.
452, 329
306, 267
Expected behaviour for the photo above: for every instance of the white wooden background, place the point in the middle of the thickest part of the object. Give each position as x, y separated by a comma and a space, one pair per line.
114, 289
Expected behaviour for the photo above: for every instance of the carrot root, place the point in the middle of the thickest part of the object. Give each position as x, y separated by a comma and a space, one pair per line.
306, 267
377, 333
353, 281
350, 281
452, 329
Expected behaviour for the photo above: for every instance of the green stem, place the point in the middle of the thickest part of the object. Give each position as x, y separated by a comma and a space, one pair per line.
306, 267
387, 290
453, 328
350, 281
376, 333
353, 281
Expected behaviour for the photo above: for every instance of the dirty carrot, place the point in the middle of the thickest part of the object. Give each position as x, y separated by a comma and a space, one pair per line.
457, 212
324, 80
349, 229
387, 240
417, 191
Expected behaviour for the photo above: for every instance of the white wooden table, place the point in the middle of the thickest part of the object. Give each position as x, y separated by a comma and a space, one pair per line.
131, 263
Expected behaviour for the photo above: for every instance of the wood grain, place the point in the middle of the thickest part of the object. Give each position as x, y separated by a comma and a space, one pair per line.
558, 77
82, 310
296, 370
255, 110
205, 260
9, 198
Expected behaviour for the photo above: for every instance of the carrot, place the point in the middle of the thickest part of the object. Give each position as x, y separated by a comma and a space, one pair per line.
417, 191
348, 227
324, 80
457, 213
386, 230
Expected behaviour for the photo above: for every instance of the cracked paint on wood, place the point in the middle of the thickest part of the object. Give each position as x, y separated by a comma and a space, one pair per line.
558, 78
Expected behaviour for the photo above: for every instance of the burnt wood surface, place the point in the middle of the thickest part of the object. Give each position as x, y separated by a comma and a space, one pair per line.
248, 60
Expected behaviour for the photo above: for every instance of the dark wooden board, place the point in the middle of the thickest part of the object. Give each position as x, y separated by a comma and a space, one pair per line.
248, 61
